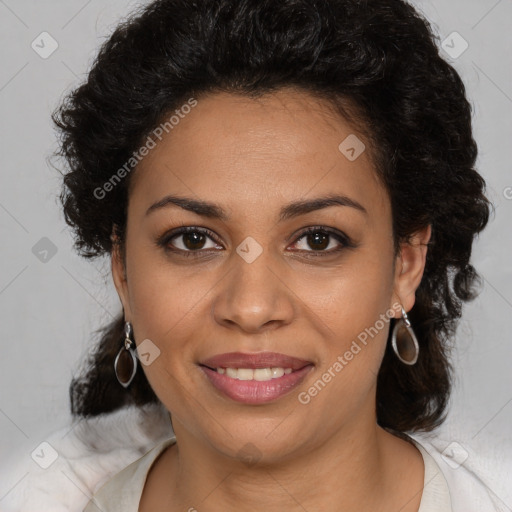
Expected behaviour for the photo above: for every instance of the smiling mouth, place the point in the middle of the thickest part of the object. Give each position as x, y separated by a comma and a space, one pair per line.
255, 378
255, 386
257, 374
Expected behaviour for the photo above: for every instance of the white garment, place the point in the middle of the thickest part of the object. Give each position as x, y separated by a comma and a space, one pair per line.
123, 492
93, 451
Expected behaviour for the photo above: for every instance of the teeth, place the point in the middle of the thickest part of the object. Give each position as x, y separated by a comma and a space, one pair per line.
260, 374
232, 372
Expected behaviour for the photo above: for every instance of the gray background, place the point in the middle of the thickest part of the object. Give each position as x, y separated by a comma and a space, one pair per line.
48, 309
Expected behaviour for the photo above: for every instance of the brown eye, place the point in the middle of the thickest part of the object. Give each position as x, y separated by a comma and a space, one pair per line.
193, 240
318, 240
188, 240
322, 241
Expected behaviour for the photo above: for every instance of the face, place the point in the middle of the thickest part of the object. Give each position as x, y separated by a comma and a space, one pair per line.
263, 269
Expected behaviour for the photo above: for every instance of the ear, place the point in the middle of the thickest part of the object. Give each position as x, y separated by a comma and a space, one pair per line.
119, 277
409, 267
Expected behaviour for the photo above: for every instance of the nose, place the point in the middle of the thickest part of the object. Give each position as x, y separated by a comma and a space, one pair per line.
254, 297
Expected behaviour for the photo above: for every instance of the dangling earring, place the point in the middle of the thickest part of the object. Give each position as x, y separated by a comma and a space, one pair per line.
404, 340
125, 364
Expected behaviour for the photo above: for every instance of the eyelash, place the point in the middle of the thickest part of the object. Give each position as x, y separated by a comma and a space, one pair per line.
166, 238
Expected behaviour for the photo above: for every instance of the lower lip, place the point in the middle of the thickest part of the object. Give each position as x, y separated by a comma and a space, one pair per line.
254, 391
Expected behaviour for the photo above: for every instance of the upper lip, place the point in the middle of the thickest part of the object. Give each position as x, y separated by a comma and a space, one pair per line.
257, 360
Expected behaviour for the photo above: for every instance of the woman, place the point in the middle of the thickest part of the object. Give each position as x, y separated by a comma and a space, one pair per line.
288, 195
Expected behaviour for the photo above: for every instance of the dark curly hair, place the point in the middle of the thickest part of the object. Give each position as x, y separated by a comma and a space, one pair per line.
377, 62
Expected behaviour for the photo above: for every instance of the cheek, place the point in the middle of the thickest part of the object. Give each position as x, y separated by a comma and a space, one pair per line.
352, 309
168, 303
165, 296
344, 383
353, 295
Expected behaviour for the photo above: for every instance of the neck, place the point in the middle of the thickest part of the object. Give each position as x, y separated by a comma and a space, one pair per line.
360, 467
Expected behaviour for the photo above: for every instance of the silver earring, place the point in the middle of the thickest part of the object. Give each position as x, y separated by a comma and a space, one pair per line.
125, 364
403, 340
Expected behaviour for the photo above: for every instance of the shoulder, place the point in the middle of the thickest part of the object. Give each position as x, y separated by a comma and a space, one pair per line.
128, 483
69, 465
477, 470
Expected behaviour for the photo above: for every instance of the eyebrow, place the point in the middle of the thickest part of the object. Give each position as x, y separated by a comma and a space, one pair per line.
291, 210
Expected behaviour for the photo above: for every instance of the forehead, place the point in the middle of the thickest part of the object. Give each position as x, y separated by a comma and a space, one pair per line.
280, 146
